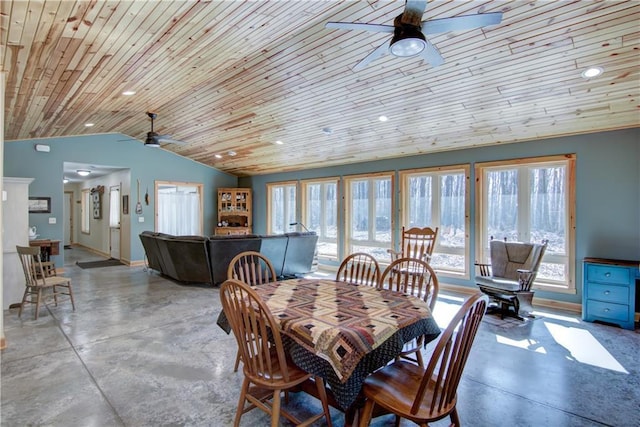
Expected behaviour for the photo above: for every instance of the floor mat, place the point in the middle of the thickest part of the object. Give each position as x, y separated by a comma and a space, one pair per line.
97, 264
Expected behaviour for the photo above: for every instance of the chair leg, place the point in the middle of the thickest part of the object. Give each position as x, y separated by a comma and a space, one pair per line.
366, 413
322, 394
38, 299
24, 300
73, 304
243, 398
275, 409
455, 420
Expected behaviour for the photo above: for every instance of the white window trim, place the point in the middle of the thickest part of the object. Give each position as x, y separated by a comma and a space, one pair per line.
481, 235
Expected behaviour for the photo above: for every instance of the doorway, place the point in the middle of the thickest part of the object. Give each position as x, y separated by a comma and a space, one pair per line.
114, 222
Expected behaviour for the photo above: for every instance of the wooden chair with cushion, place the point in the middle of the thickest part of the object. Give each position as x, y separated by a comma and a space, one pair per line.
415, 277
268, 372
416, 243
359, 269
423, 395
41, 283
252, 268
508, 279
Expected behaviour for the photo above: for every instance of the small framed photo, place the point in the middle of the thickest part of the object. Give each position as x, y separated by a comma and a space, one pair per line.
39, 204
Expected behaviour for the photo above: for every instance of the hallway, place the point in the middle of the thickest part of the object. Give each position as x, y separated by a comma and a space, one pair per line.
141, 350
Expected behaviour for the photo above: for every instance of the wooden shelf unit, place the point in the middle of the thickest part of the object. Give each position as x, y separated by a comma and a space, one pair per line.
234, 211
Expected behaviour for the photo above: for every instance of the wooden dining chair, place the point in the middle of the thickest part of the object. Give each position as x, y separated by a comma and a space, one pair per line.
423, 395
252, 268
41, 284
359, 269
415, 277
266, 366
416, 243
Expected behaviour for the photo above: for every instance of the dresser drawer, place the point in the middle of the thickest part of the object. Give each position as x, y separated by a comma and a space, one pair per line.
607, 310
608, 293
608, 274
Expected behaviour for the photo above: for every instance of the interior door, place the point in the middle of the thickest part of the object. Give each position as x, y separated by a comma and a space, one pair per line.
114, 222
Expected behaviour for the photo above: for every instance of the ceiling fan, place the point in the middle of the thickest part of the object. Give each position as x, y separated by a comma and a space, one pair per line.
408, 32
154, 140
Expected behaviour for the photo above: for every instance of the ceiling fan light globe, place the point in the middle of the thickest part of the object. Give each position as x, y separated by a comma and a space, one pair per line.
407, 47
407, 41
151, 142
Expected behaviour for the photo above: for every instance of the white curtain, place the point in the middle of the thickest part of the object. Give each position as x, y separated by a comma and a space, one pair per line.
179, 213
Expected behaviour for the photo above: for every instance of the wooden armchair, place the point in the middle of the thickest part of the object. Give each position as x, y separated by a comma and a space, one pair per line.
416, 243
508, 279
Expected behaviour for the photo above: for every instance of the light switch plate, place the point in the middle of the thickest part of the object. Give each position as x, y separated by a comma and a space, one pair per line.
140, 219
52, 220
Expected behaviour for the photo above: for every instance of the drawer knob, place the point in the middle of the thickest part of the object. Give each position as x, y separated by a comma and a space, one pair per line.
607, 274
606, 310
607, 292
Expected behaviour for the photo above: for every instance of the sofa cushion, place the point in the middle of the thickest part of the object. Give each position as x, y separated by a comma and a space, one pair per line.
222, 250
274, 247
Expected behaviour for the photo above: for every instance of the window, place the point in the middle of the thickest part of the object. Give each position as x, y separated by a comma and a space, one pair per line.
369, 203
114, 207
531, 200
320, 214
178, 208
439, 197
85, 207
281, 207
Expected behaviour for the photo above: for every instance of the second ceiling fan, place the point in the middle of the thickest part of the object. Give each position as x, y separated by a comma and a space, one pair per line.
409, 32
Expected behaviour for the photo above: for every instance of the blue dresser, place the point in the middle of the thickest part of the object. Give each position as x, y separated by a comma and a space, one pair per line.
609, 291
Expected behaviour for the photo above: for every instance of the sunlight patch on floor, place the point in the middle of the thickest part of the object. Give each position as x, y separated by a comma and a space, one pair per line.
555, 316
584, 347
526, 344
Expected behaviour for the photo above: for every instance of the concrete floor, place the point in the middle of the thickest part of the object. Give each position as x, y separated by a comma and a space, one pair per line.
141, 350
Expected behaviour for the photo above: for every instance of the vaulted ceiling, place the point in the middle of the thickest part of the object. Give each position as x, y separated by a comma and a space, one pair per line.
234, 77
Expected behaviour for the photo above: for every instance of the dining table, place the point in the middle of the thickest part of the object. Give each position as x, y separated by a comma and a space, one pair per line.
343, 332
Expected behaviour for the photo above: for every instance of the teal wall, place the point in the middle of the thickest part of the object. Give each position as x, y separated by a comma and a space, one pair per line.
145, 164
607, 190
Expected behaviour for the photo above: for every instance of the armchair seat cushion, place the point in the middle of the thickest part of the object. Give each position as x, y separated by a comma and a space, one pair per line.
498, 283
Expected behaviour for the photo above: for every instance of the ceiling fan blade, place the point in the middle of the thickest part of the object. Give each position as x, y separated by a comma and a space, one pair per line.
432, 55
379, 52
376, 28
413, 11
459, 23
165, 139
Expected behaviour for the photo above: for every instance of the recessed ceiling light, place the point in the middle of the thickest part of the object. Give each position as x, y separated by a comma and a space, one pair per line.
383, 118
83, 172
592, 72
279, 142
232, 153
129, 92
88, 124
65, 180
217, 156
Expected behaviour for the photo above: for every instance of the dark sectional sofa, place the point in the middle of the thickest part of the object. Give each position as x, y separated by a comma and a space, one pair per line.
199, 259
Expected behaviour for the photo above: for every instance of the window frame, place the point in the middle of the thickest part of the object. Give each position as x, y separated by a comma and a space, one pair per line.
270, 188
305, 211
567, 259
348, 213
197, 185
437, 172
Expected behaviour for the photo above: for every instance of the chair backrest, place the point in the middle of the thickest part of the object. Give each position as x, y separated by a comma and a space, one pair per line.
412, 276
31, 265
252, 268
447, 362
418, 242
256, 331
508, 257
359, 269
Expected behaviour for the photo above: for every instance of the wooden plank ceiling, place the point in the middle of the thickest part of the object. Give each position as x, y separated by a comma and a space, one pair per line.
235, 76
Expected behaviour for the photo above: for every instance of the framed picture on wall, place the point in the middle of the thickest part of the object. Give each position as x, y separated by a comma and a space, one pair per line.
39, 204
